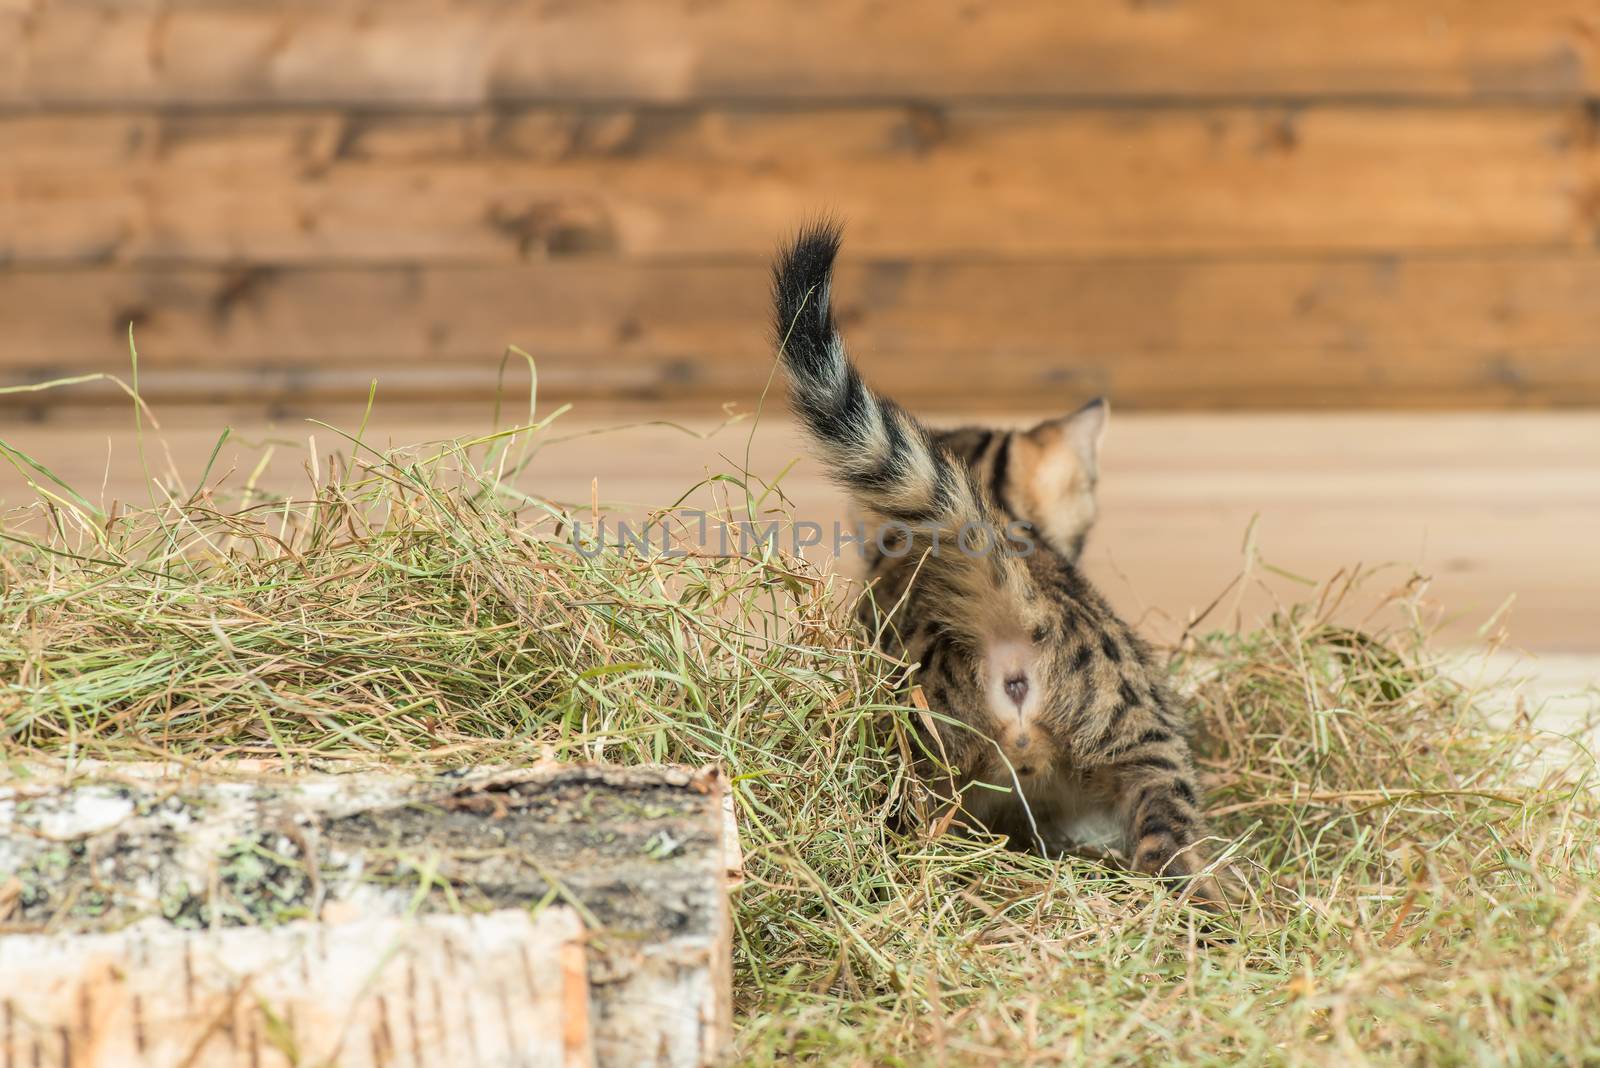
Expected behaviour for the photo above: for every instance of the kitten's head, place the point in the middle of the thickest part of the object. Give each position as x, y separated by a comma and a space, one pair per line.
1044, 475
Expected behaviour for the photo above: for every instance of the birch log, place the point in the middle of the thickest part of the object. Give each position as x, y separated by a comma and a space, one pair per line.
558, 915
504, 988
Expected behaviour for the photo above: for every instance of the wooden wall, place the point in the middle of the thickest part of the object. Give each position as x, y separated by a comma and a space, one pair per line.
1184, 203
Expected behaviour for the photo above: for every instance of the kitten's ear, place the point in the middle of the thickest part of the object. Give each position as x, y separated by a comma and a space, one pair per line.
1082, 432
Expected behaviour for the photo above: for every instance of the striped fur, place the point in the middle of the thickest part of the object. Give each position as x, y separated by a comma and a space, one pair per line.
1042, 478
1052, 694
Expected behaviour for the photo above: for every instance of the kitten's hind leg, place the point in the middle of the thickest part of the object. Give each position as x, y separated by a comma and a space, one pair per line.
1162, 824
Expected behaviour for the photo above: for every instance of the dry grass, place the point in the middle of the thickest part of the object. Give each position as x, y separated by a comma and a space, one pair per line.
1419, 883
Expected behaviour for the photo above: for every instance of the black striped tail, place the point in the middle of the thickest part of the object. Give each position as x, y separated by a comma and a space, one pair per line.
882, 456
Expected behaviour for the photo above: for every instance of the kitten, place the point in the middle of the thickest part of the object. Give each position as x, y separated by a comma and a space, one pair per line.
1051, 695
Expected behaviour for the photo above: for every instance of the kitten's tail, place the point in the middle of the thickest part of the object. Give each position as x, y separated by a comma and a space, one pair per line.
882, 456
876, 450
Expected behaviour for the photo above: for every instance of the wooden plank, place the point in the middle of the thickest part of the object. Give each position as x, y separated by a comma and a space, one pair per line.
1473, 330
192, 859
318, 186
427, 52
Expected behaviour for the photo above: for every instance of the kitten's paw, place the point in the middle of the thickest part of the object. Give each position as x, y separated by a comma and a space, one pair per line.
1159, 857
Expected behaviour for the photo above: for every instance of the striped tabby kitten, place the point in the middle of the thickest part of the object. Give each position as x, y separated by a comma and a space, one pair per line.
1056, 698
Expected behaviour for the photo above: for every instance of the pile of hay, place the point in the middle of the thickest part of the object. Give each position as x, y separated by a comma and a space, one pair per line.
1419, 884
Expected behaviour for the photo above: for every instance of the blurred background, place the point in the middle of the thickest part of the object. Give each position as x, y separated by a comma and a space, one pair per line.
1334, 263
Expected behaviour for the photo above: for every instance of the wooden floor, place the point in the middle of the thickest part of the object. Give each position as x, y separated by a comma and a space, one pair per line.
1501, 510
